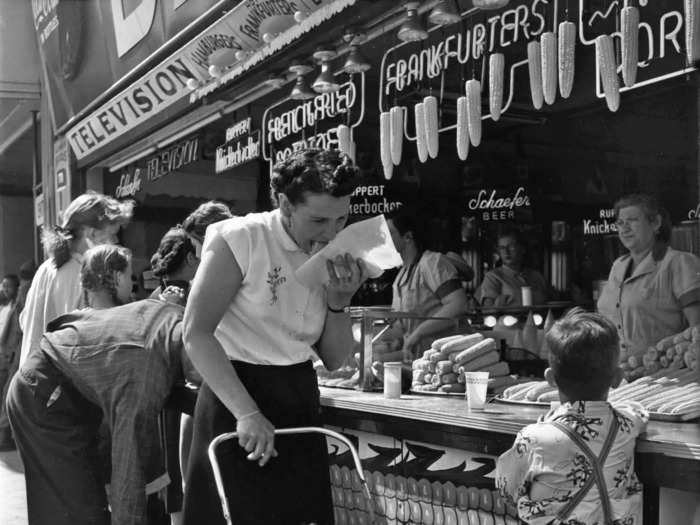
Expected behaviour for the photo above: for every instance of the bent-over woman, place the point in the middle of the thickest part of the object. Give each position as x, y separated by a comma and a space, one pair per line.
251, 330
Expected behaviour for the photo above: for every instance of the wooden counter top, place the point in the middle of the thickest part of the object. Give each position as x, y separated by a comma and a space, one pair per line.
680, 440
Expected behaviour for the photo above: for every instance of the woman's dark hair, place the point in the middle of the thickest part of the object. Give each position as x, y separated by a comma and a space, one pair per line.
99, 266
651, 208
207, 213
90, 209
316, 171
27, 271
407, 218
513, 233
172, 252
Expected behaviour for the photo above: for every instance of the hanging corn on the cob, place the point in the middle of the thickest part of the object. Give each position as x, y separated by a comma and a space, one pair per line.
548, 50
473, 89
396, 134
691, 14
385, 143
630, 44
496, 74
420, 132
605, 55
567, 57
534, 61
344, 139
430, 114
462, 129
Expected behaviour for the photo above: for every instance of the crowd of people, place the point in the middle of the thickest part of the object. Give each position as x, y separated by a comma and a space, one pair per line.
88, 406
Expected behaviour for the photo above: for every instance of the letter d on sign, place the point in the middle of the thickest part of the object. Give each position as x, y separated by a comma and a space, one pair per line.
131, 29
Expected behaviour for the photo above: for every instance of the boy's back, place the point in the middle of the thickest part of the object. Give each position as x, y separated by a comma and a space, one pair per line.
545, 469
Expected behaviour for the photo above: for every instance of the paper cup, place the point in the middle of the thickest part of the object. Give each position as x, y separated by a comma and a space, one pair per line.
526, 295
477, 383
392, 380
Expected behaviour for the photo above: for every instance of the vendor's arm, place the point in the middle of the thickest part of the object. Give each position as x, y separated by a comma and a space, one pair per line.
217, 281
454, 305
489, 293
336, 342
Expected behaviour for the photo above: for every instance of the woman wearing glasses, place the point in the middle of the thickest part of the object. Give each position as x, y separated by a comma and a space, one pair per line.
502, 285
654, 290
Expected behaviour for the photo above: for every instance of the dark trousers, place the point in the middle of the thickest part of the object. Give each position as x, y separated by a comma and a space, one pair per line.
56, 438
5, 380
292, 488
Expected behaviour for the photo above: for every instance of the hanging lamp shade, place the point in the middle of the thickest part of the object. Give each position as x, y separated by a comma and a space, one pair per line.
445, 13
301, 91
275, 81
490, 4
356, 62
412, 30
325, 82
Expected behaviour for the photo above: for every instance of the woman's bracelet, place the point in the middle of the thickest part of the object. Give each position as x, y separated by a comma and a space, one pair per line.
246, 416
336, 310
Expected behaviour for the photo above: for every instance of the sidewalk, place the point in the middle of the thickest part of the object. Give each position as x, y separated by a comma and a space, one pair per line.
13, 503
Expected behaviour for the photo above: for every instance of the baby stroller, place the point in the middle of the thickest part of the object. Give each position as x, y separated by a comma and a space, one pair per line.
282, 431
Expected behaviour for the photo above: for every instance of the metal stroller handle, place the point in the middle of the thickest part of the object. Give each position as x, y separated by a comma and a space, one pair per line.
281, 431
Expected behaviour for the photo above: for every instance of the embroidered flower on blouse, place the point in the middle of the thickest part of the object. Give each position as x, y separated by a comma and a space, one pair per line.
274, 280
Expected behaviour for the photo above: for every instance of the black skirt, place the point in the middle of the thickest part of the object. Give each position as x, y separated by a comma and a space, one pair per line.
292, 488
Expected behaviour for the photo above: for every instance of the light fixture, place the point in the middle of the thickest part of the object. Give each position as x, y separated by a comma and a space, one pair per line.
412, 30
275, 81
355, 62
192, 84
301, 91
445, 13
132, 159
215, 71
300, 68
242, 55
222, 57
300, 16
490, 4
268, 37
325, 82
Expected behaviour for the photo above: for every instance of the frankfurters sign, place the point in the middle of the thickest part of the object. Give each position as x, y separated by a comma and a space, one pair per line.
459, 52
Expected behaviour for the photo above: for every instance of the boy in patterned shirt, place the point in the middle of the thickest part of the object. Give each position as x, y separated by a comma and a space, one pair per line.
576, 465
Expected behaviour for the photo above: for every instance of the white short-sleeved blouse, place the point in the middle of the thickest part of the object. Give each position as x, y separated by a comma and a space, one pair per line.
648, 305
273, 319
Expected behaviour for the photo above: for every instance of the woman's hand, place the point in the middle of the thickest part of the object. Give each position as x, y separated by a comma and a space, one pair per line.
257, 436
173, 294
346, 275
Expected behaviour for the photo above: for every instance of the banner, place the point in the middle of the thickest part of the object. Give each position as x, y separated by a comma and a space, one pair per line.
241, 29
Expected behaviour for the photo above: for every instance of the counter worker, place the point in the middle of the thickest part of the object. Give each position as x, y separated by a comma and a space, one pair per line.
428, 284
251, 329
502, 286
653, 291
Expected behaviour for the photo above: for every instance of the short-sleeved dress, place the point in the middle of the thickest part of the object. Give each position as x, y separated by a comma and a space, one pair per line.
420, 287
269, 332
505, 281
647, 305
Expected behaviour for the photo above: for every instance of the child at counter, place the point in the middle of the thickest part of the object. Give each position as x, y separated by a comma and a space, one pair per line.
576, 465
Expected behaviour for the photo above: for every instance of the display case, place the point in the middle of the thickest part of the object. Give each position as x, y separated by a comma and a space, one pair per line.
378, 338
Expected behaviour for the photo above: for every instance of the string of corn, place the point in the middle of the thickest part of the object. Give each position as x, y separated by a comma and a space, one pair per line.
605, 56
462, 129
385, 143
567, 57
630, 44
496, 79
396, 129
473, 89
430, 114
550, 65
534, 61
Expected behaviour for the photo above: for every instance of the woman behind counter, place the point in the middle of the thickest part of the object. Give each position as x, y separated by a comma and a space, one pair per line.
654, 290
502, 285
428, 284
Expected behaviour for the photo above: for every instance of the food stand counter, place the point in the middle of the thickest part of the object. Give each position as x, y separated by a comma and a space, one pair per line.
438, 445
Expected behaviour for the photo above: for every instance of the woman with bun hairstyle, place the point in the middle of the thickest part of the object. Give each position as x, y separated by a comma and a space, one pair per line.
91, 219
252, 330
175, 262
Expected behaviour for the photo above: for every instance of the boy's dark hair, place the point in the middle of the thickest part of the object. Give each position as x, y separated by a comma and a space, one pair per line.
584, 354
328, 172
172, 252
207, 213
27, 271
